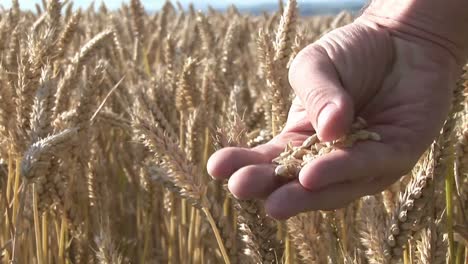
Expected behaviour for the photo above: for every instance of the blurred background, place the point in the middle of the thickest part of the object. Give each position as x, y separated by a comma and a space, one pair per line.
307, 7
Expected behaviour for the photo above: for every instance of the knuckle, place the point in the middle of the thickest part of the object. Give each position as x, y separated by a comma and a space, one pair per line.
303, 62
316, 98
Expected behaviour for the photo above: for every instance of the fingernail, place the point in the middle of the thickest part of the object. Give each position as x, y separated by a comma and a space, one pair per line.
212, 177
324, 117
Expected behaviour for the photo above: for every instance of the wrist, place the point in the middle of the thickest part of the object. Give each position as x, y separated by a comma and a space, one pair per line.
441, 22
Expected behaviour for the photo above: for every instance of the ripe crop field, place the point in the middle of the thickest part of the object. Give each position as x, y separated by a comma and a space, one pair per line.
108, 117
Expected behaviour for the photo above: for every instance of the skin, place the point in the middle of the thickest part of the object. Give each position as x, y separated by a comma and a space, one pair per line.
359, 70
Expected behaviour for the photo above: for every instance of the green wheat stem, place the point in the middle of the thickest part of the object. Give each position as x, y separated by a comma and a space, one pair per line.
460, 252
406, 258
449, 181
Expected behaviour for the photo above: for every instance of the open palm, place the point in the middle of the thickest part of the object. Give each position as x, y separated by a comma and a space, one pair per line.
401, 86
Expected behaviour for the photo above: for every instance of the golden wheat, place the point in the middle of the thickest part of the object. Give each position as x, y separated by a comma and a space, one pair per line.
108, 117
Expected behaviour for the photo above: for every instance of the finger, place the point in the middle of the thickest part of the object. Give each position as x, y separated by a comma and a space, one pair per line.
223, 163
316, 82
364, 161
258, 180
254, 182
292, 199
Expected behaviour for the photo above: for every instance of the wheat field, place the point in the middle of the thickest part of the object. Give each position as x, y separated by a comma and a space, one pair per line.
108, 117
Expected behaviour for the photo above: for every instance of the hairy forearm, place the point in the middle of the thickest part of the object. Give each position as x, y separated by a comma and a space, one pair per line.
442, 22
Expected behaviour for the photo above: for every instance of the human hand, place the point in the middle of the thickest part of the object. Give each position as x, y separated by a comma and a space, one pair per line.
400, 85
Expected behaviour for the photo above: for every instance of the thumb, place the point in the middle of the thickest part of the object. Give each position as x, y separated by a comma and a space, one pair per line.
315, 81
